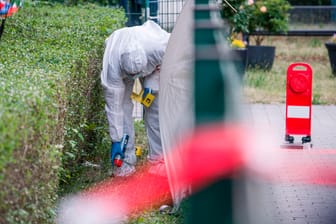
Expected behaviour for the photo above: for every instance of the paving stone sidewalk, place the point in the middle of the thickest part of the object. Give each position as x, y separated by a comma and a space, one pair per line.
303, 189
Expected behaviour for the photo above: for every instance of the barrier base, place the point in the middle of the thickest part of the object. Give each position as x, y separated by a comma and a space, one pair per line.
296, 146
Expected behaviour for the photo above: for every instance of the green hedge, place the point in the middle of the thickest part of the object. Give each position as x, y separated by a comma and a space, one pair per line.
51, 107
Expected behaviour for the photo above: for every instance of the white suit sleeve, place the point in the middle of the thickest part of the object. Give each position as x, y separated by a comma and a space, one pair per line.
114, 89
114, 111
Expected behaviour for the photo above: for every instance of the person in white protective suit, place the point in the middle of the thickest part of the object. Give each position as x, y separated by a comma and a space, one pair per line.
131, 53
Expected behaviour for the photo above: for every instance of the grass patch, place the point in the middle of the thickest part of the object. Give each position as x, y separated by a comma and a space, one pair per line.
270, 86
155, 217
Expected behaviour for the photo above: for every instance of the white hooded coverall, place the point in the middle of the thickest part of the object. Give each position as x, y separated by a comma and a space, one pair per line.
130, 53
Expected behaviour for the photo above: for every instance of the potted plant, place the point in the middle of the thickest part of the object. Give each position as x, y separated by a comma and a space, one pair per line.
270, 16
253, 17
331, 47
237, 19
239, 53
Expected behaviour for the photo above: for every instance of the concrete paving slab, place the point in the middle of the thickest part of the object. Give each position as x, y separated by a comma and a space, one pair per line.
302, 188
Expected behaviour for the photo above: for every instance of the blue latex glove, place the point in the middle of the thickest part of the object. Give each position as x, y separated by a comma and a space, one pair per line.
116, 150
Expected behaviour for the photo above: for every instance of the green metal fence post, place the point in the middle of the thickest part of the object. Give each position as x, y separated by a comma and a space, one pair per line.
214, 203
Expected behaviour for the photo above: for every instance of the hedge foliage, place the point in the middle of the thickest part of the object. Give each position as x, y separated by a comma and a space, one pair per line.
51, 107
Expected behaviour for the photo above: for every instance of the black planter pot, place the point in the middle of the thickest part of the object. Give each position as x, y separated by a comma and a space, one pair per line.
240, 60
331, 47
260, 57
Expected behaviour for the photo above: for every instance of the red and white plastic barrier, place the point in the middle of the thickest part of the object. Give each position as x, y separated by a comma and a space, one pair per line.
299, 102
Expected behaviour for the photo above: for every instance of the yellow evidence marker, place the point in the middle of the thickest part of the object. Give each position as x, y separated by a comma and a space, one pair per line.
146, 101
138, 151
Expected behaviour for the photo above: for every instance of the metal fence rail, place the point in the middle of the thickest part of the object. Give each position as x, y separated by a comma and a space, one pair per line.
313, 15
309, 21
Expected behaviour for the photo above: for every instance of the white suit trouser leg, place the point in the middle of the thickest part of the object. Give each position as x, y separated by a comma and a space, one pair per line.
151, 118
